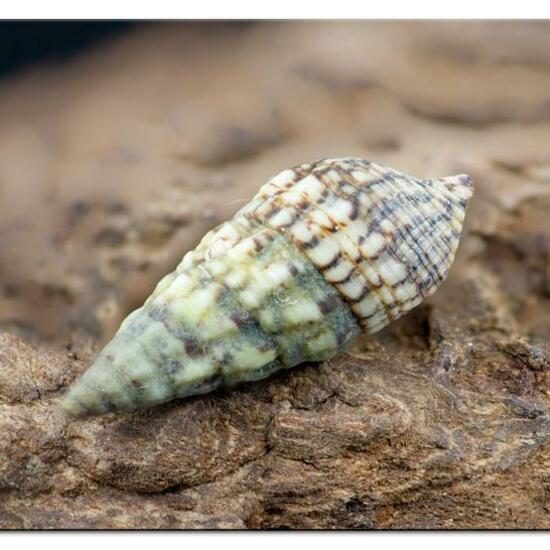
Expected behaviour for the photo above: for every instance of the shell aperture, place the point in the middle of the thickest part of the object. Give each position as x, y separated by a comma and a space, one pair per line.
323, 252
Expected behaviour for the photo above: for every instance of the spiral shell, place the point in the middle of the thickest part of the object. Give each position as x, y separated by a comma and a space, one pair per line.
323, 252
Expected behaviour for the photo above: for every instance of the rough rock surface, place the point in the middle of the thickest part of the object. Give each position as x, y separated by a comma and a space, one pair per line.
116, 163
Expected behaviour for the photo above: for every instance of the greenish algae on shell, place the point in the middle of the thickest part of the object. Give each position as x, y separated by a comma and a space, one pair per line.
323, 252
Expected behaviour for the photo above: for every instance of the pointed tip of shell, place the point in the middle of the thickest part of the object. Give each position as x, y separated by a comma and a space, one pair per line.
461, 185
70, 407
82, 401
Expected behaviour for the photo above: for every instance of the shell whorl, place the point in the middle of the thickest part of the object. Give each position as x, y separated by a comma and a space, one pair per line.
323, 252
383, 239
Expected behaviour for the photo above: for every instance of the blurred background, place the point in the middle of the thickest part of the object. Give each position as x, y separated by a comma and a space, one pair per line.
121, 144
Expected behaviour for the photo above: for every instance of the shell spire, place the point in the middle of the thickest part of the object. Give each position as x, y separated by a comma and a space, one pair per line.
323, 252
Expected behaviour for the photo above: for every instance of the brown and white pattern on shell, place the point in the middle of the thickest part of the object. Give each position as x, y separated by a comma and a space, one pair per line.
383, 239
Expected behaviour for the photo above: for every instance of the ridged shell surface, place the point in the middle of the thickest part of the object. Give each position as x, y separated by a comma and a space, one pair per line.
323, 252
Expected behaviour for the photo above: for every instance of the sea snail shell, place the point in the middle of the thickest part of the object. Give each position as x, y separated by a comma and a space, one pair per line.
323, 252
